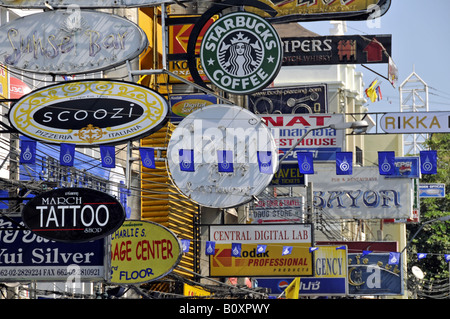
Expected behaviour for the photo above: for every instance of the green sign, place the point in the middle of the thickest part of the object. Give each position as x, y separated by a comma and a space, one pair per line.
241, 53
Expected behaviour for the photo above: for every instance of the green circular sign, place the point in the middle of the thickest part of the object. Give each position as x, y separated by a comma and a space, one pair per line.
241, 53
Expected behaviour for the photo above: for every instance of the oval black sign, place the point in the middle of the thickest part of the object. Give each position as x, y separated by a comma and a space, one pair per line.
101, 113
73, 214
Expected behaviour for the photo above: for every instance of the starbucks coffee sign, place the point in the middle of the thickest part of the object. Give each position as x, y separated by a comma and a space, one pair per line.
241, 53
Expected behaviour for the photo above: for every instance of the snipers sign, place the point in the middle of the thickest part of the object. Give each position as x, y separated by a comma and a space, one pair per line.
241, 53
70, 42
89, 112
73, 214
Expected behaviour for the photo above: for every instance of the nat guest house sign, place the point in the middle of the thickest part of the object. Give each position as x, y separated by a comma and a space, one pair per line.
70, 42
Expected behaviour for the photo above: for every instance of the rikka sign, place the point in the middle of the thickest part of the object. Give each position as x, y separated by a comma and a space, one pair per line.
73, 214
70, 42
241, 53
89, 112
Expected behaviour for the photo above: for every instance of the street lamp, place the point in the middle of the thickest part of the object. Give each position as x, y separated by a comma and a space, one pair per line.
358, 127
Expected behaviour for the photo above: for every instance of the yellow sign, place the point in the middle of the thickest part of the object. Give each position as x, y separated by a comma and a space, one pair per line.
192, 291
330, 262
302, 10
142, 251
264, 250
4, 85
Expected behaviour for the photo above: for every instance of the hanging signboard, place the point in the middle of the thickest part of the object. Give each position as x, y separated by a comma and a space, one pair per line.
143, 251
289, 175
416, 122
228, 135
25, 256
89, 112
290, 100
56, 4
316, 10
73, 214
286, 253
345, 49
287, 129
364, 195
241, 53
375, 274
406, 167
70, 42
436, 190
182, 105
277, 210
330, 275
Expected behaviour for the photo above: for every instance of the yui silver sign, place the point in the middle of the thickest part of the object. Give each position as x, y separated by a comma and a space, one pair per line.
70, 41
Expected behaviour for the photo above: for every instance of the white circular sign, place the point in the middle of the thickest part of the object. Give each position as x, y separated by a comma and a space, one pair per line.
222, 156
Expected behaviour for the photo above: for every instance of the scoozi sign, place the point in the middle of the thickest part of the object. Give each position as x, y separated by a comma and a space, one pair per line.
142, 251
73, 214
241, 53
89, 112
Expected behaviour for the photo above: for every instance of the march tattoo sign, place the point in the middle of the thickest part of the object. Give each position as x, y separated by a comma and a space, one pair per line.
241, 53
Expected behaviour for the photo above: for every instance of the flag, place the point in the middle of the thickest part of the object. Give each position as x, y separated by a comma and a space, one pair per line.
28, 152
147, 156
225, 161
447, 257
341, 247
186, 160
344, 163
366, 252
421, 255
66, 154
261, 249
428, 162
293, 289
371, 92
185, 244
265, 162
210, 248
392, 72
108, 154
386, 163
287, 250
305, 162
236, 249
311, 249
379, 95
394, 258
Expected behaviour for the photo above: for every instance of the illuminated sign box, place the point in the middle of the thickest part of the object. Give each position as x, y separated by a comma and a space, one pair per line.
271, 263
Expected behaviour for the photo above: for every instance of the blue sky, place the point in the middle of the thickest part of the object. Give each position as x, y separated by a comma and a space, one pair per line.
420, 42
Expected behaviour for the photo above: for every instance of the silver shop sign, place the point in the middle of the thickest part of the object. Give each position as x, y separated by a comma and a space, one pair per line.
71, 41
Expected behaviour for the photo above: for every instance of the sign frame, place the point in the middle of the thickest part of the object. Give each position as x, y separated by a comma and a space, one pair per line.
154, 111
277, 235
53, 206
140, 233
72, 41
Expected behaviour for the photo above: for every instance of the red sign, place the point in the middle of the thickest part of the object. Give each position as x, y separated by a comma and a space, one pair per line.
17, 88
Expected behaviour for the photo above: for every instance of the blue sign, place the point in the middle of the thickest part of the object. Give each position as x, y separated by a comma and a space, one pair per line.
432, 190
374, 274
27, 256
406, 167
323, 154
309, 286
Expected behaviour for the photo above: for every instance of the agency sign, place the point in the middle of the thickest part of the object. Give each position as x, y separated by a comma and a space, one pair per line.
70, 42
73, 214
142, 251
89, 112
241, 53
315, 10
